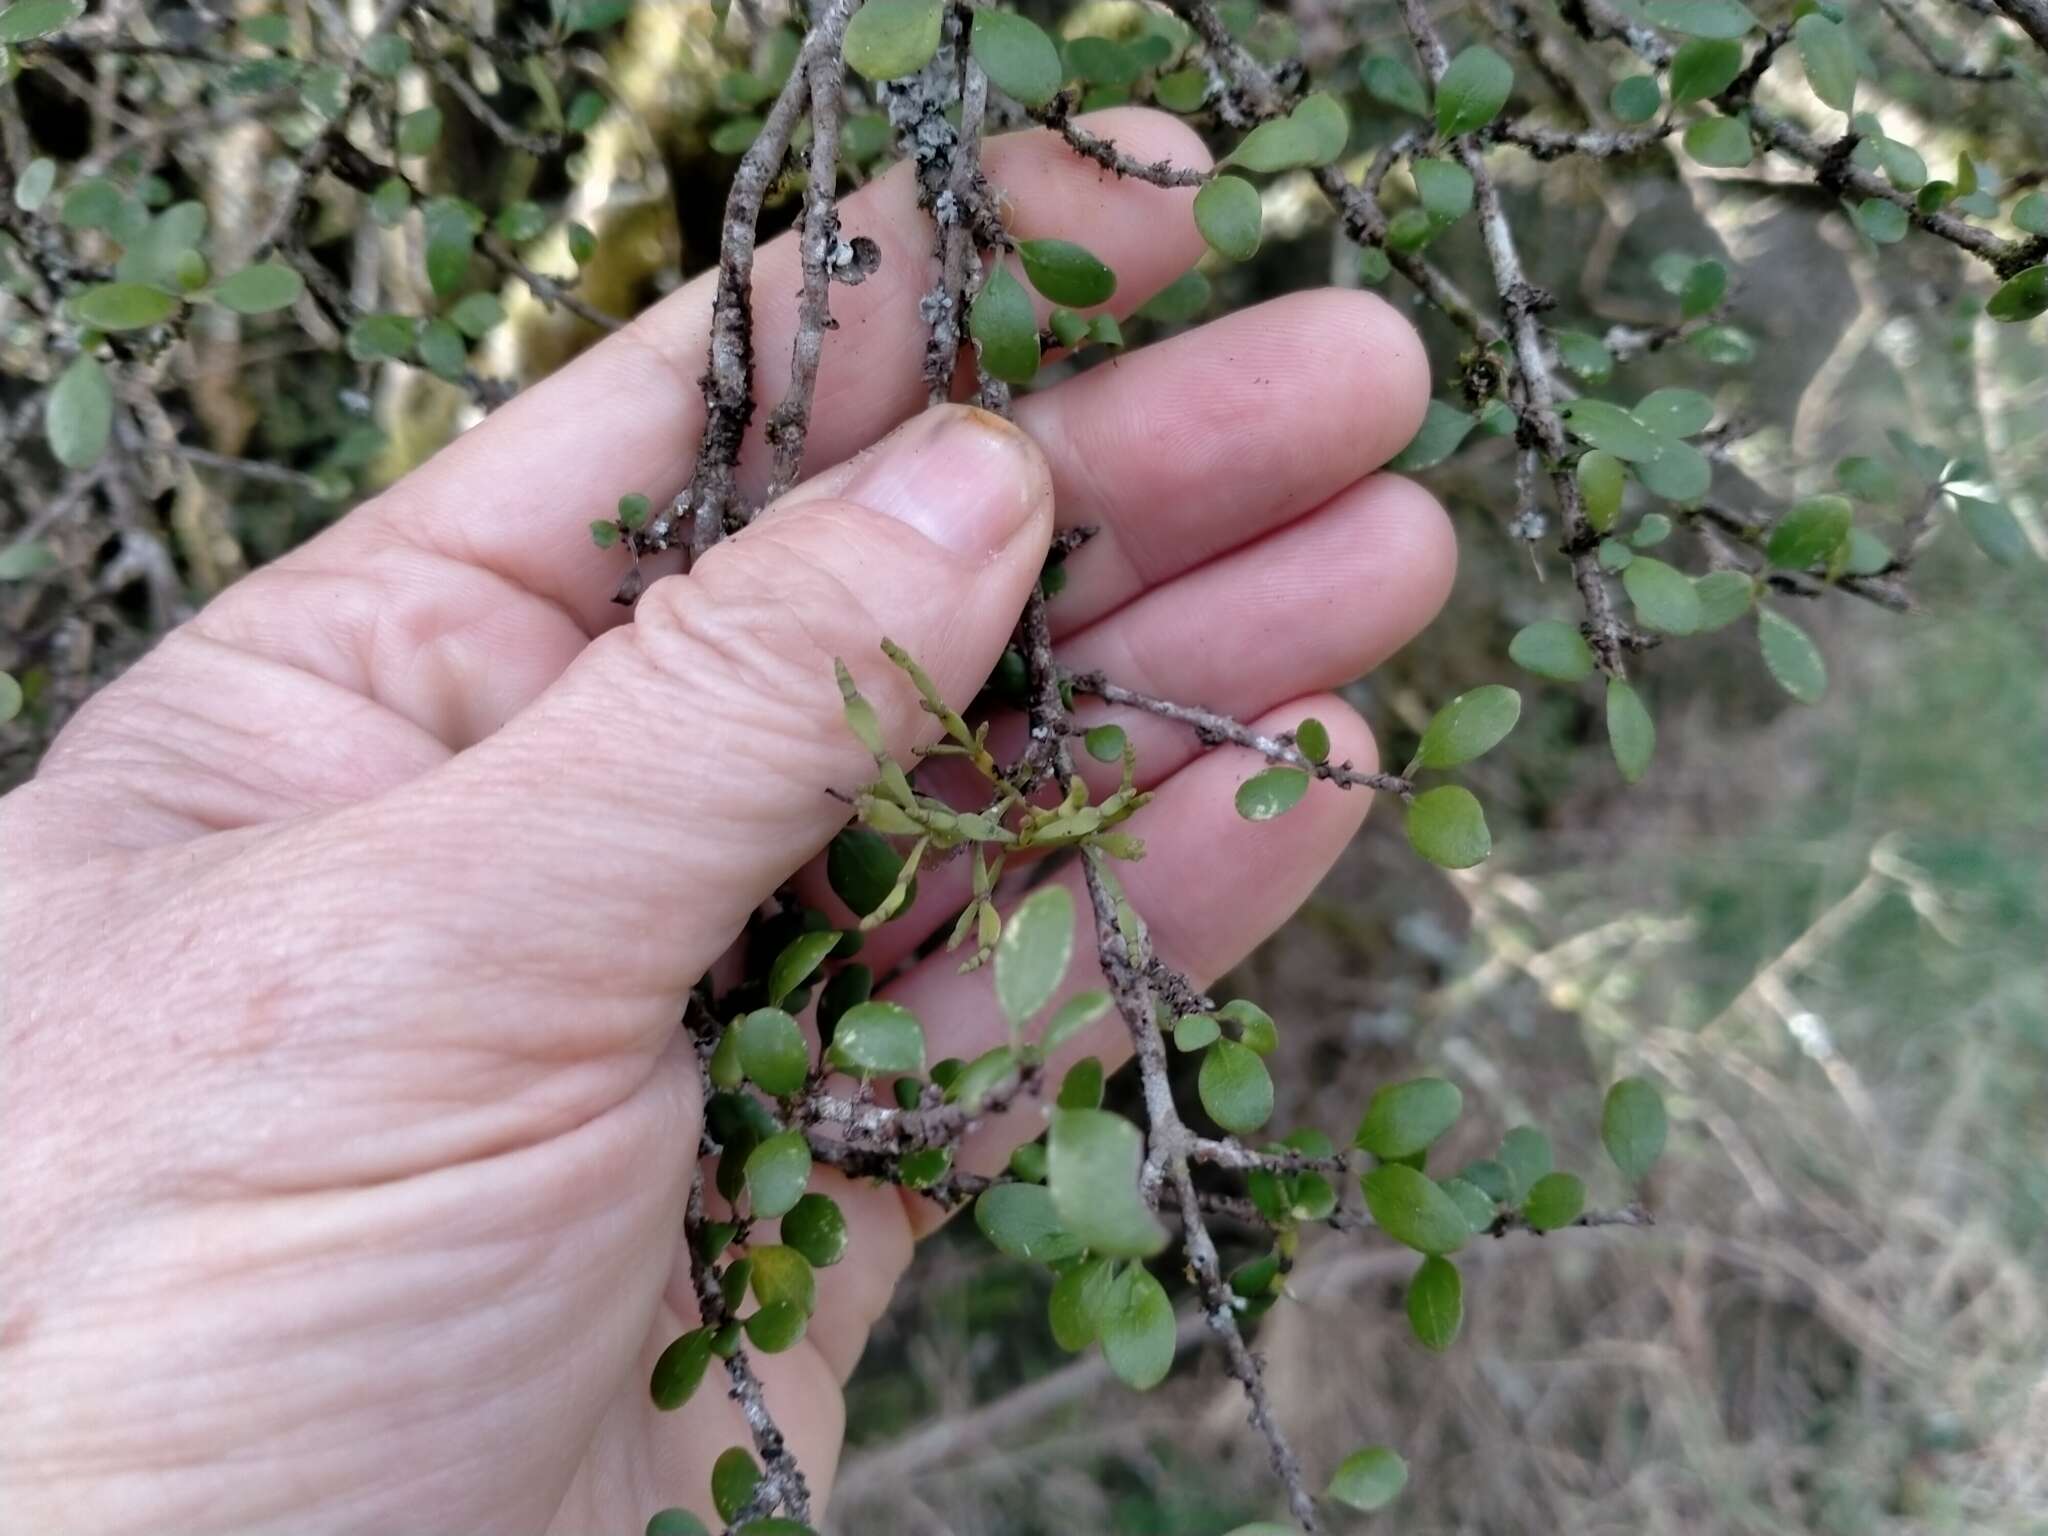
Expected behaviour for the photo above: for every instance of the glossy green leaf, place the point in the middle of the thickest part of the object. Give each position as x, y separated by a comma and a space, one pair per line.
1702, 18
1724, 597
771, 1330
1313, 738
734, 1477
1476, 1204
1436, 1303
1004, 327
1664, 597
1235, 1088
1630, 732
1393, 82
1033, 953
1674, 412
1604, 425
815, 1227
1721, 142
1633, 1127
1469, 726
1792, 659
1410, 1208
1472, 91
1635, 98
1811, 532
1255, 1027
1077, 1299
862, 868
1445, 188
1073, 1016
1369, 1479
1525, 1154
451, 229
888, 39
1552, 649
1021, 1220
1602, 479
777, 1171
1227, 214
676, 1522
78, 414
1092, 1160
27, 20
1105, 743
1406, 1118
1443, 428
1446, 826
1066, 273
680, 1369
1704, 67
123, 306
1196, 1032
1136, 1327
1019, 58
1679, 473
772, 1051
876, 1037
1271, 793
2022, 297
1554, 1201
1830, 59
798, 959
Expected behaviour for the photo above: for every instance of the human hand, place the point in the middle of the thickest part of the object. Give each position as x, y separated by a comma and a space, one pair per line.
349, 1125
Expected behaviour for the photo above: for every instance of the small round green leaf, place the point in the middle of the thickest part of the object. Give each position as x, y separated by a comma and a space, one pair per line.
1830, 59
1633, 1127
1675, 412
1630, 732
1702, 18
1704, 67
1227, 214
1369, 1479
676, 1522
1406, 1118
1554, 1201
1271, 793
888, 39
1393, 82
777, 1171
1602, 479
33, 188
680, 1369
1470, 725
1066, 273
778, 1273
1021, 1221
1411, 1209
772, 1051
1884, 222
1105, 743
1135, 1325
1235, 1088
816, 1228
877, 1037
1605, 425
1472, 91
1092, 1159
1720, 142
1032, 955
79, 413
1552, 649
1004, 327
1196, 1031
258, 290
1792, 658
1447, 827
1019, 58
1313, 738
772, 1329
1811, 532
798, 959
1443, 428
2021, 298
123, 306
1663, 596
1436, 1303
734, 1477
27, 20
1724, 596
1635, 98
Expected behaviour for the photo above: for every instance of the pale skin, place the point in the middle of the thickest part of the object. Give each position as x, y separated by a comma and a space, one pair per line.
348, 1124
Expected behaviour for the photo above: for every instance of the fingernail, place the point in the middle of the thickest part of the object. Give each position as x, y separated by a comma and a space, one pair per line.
964, 478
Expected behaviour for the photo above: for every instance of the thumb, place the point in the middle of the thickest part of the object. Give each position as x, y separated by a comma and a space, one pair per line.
678, 772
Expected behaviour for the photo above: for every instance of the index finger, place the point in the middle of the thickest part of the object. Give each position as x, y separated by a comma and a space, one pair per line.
626, 416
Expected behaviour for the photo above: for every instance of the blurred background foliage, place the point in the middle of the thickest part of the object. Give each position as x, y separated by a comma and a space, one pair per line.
1821, 930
